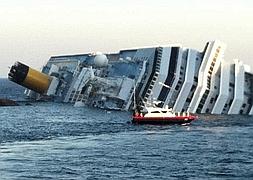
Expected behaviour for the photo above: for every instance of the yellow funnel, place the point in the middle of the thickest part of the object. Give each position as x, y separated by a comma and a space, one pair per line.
29, 78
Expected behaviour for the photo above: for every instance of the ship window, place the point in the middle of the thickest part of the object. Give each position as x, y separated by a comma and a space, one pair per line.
241, 111
188, 100
200, 105
177, 87
231, 84
225, 105
244, 105
193, 87
206, 92
155, 112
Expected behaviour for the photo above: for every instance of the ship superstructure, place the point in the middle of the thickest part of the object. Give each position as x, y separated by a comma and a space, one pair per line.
184, 79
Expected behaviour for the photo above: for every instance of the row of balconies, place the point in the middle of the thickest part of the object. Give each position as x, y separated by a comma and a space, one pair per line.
155, 76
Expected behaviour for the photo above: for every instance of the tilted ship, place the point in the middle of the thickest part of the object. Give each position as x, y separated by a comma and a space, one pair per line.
184, 79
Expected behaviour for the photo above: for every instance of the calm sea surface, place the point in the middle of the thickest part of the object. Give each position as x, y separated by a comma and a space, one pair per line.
58, 141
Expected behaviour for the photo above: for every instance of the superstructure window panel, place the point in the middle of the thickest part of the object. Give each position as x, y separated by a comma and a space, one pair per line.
195, 79
230, 102
200, 106
202, 102
193, 88
188, 100
231, 84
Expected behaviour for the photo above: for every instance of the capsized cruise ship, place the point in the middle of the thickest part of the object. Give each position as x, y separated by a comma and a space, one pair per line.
185, 79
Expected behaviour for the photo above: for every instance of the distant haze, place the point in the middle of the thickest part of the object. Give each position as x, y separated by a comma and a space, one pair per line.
33, 30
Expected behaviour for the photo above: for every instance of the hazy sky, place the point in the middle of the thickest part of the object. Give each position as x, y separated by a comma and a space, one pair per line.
33, 30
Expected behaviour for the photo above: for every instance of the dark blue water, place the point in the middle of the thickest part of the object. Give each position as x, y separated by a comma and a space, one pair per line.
58, 141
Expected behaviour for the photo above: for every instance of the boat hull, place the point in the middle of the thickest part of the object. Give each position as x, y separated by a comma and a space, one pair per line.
163, 120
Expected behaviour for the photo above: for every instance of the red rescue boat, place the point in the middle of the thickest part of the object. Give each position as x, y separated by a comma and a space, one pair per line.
155, 115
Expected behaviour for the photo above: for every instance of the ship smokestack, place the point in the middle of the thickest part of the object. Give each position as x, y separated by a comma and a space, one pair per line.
29, 78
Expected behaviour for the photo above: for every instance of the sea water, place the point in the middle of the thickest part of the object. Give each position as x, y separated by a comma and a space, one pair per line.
59, 141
